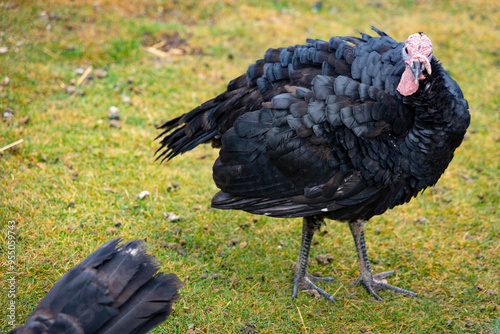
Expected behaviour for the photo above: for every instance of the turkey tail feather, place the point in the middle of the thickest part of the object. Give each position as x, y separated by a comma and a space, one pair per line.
114, 290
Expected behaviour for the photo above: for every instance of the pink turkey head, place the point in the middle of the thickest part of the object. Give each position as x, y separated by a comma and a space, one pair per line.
417, 54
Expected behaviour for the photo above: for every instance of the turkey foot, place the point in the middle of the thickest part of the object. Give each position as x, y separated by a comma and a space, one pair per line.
371, 282
374, 283
306, 282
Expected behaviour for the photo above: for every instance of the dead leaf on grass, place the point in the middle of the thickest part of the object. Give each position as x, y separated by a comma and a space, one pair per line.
490, 292
171, 216
324, 259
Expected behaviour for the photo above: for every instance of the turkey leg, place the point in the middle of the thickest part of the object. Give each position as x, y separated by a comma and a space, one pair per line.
302, 280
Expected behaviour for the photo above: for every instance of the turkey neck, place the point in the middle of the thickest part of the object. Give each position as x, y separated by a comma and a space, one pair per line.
441, 119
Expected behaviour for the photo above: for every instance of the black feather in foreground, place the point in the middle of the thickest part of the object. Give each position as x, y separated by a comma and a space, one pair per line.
114, 290
344, 130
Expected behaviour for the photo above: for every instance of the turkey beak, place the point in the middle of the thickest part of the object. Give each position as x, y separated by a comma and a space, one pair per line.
416, 69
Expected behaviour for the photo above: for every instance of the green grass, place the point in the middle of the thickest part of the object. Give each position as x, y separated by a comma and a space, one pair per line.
70, 154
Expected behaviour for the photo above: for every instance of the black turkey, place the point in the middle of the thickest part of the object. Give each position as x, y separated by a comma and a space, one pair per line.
114, 290
344, 130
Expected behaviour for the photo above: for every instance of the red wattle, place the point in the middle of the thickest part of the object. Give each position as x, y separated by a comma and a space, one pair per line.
407, 85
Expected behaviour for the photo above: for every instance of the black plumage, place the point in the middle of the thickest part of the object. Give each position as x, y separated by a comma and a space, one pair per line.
322, 131
114, 290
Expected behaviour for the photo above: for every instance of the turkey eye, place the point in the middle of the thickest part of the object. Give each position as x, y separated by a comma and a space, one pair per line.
405, 50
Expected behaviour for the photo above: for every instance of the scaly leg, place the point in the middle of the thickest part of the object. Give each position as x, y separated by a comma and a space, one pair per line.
302, 279
372, 283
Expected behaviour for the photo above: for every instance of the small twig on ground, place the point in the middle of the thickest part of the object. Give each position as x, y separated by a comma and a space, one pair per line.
50, 53
301, 319
84, 75
11, 145
159, 44
157, 52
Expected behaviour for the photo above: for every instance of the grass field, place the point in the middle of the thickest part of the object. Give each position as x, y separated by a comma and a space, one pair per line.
74, 181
